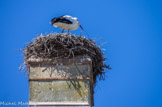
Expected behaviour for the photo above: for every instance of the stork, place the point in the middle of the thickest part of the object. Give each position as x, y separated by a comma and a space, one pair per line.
66, 22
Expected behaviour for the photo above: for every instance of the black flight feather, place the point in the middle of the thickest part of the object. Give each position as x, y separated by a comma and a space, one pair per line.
60, 19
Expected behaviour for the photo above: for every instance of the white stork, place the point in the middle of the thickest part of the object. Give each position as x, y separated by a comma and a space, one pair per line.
66, 22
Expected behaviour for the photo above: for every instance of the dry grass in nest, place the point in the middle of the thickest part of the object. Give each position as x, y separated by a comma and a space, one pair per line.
67, 45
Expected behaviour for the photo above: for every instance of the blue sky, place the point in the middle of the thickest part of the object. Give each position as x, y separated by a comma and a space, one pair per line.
130, 29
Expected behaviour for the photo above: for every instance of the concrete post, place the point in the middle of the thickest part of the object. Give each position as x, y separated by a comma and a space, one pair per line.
61, 82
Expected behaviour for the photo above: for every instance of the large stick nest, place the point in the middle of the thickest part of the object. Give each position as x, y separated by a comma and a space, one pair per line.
67, 45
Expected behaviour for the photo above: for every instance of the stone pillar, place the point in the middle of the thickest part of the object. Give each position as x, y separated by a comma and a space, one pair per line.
60, 82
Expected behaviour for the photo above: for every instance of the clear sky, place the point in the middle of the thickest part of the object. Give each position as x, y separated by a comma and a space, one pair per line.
130, 29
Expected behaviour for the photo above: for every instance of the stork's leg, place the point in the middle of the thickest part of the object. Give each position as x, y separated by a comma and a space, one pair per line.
62, 31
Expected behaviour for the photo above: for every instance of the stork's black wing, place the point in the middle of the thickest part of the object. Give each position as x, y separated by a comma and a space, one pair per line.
60, 19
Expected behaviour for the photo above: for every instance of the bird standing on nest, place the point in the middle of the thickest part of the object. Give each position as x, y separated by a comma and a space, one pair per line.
66, 22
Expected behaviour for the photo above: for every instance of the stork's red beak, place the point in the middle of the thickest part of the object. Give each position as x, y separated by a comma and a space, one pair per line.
81, 27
